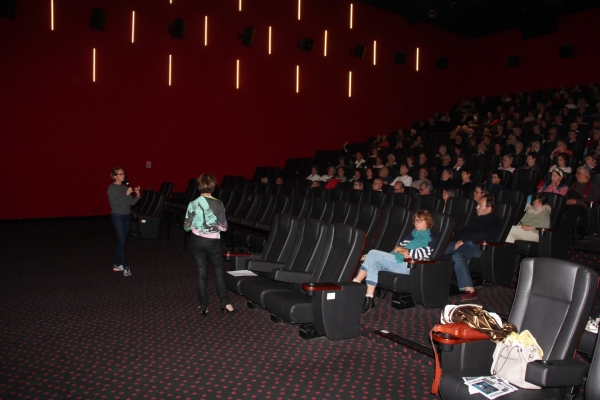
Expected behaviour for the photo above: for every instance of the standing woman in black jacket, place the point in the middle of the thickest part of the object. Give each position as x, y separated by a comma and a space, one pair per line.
206, 219
120, 199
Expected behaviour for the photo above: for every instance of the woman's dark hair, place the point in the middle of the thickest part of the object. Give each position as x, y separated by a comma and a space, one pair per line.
561, 174
424, 215
541, 197
450, 171
206, 183
532, 155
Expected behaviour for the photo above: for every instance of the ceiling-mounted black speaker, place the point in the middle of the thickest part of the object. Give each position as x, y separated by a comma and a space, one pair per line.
442, 63
565, 51
400, 57
358, 51
306, 44
177, 30
98, 19
8, 9
536, 27
247, 37
513, 61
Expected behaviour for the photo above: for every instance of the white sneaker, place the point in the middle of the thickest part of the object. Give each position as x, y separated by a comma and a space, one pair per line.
117, 268
126, 272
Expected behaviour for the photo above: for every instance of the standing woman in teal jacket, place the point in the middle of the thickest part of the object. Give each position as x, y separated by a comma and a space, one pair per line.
206, 219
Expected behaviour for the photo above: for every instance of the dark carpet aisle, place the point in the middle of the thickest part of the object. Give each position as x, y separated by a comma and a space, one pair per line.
73, 328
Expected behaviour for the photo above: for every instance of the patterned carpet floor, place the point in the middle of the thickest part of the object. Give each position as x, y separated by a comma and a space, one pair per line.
73, 328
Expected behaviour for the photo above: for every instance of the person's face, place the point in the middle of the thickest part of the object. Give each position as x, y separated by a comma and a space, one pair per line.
369, 173
555, 178
482, 208
442, 149
356, 174
459, 162
314, 171
572, 136
422, 174
279, 181
552, 135
331, 171
495, 179
561, 161
535, 146
120, 176
377, 185
398, 187
465, 176
518, 149
340, 172
445, 195
506, 162
359, 156
423, 190
445, 175
537, 203
590, 161
403, 170
383, 173
477, 194
530, 161
357, 186
420, 224
314, 184
561, 148
422, 158
582, 177
481, 147
497, 148
446, 160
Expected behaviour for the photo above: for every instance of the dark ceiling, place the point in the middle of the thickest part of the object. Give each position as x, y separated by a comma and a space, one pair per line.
477, 18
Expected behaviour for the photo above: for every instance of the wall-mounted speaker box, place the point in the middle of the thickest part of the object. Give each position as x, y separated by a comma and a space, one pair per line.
533, 28
98, 19
442, 63
248, 36
306, 44
400, 57
8, 9
177, 30
513, 61
565, 51
359, 51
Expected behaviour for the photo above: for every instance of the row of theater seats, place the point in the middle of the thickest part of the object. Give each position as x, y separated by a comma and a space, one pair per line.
146, 217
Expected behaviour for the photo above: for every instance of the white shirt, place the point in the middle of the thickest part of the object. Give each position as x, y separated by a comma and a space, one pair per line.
406, 180
315, 177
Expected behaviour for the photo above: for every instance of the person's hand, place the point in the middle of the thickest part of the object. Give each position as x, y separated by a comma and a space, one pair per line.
128, 192
137, 191
362, 258
458, 244
571, 202
527, 227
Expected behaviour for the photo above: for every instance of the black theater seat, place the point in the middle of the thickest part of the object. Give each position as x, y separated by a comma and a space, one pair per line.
461, 209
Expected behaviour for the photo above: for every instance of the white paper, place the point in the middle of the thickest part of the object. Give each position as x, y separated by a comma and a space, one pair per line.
242, 272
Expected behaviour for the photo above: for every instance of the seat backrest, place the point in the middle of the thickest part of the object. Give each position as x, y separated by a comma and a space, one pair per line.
557, 203
355, 196
166, 188
225, 196
157, 208
300, 206
234, 203
553, 301
514, 197
592, 387
506, 213
317, 208
377, 198
430, 203
282, 237
340, 212
334, 194
403, 200
368, 220
282, 204
150, 204
265, 209
247, 206
461, 209
411, 191
290, 190
145, 202
339, 257
308, 246
443, 227
525, 180
396, 223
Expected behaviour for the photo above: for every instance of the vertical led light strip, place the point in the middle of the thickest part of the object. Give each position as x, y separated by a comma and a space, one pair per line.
374, 52
325, 46
94, 65
51, 15
297, 78
170, 63
206, 30
351, 12
269, 40
237, 75
240, 6
299, 1
350, 84
417, 66
132, 26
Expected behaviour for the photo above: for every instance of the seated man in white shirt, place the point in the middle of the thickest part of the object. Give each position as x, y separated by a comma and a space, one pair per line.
403, 177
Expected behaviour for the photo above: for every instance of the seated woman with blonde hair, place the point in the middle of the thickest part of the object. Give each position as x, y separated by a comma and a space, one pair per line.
418, 245
537, 215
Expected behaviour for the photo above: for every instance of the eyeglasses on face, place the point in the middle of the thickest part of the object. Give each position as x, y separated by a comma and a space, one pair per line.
482, 205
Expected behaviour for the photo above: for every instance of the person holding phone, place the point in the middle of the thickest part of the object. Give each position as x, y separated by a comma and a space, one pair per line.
121, 201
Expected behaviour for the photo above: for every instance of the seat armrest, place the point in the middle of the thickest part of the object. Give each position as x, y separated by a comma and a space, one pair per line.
263, 266
282, 275
412, 262
557, 373
543, 231
312, 287
485, 244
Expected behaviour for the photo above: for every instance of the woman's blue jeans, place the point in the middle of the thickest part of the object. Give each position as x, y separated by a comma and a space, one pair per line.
381, 261
122, 223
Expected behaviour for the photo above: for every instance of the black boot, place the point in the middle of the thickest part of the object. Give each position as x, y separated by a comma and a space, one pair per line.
368, 305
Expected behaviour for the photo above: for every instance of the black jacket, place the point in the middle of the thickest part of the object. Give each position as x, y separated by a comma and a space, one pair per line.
483, 228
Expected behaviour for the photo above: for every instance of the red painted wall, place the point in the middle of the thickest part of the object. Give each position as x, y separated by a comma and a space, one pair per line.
63, 133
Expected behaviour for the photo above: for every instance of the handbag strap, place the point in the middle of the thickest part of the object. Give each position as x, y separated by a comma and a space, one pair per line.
438, 368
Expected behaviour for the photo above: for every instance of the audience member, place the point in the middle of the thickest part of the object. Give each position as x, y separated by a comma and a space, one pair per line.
384, 176
561, 164
556, 184
377, 185
403, 177
507, 163
423, 171
314, 175
537, 215
399, 187
530, 163
496, 185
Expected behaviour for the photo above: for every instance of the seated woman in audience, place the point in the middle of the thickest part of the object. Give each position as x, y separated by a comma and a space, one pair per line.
314, 175
315, 184
447, 194
591, 159
561, 164
530, 163
330, 174
442, 150
422, 177
479, 192
378, 164
384, 142
410, 162
417, 245
467, 184
403, 177
368, 175
341, 172
556, 185
498, 150
445, 180
391, 161
507, 163
537, 215
423, 160
496, 184
358, 185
